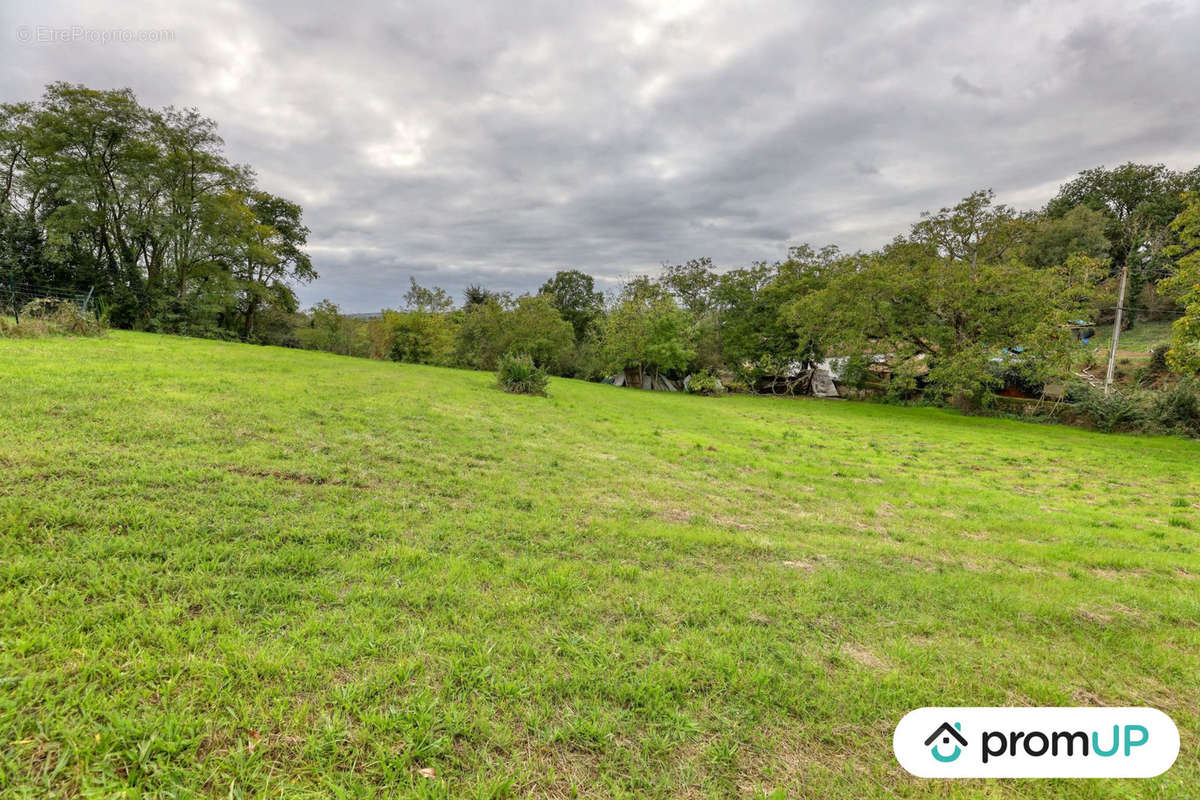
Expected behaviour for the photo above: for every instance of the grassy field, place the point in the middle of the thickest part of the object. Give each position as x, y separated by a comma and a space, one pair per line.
234, 571
1138, 340
1133, 350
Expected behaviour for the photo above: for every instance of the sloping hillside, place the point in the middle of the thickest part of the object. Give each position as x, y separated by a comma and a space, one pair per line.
231, 570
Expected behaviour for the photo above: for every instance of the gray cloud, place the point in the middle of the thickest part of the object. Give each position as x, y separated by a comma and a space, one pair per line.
496, 143
966, 87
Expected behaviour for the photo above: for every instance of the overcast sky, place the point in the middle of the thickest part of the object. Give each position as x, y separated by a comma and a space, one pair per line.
462, 143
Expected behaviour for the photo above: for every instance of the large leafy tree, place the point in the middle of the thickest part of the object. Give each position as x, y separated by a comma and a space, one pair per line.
530, 325
420, 298
646, 332
262, 241
98, 191
1184, 285
536, 328
694, 285
482, 335
758, 338
948, 314
1050, 240
974, 230
421, 337
1138, 202
574, 296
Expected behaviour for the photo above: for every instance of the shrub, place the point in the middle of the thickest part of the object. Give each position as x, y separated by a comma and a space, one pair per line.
705, 382
1177, 408
1171, 409
1156, 367
519, 375
51, 316
1119, 411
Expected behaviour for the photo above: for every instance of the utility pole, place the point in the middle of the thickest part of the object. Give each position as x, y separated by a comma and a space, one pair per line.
1116, 334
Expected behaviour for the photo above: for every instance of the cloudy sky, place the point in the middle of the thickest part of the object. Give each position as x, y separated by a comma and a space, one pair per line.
496, 143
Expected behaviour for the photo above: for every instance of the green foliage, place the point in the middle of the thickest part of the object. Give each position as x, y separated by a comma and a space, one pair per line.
694, 285
1119, 411
326, 328
52, 317
1053, 240
941, 307
757, 336
1156, 367
973, 231
646, 331
574, 296
141, 205
537, 329
475, 295
518, 374
1173, 409
419, 337
1176, 409
706, 383
1138, 201
419, 298
1184, 286
529, 325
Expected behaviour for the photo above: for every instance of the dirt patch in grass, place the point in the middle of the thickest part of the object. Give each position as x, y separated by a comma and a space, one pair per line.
1086, 697
865, 657
676, 515
1106, 615
1109, 574
295, 477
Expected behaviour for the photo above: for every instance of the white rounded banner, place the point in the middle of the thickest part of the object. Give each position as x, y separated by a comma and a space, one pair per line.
981, 742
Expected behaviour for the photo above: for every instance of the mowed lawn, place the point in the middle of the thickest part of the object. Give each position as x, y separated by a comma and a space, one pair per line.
236, 571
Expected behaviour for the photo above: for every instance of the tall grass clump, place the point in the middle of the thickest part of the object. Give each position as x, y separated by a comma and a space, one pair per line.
517, 373
51, 317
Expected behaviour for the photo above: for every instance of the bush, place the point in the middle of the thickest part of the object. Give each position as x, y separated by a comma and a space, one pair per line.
1154, 370
704, 382
519, 375
1119, 411
1177, 409
1174, 409
50, 316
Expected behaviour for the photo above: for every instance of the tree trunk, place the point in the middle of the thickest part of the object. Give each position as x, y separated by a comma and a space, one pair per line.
251, 307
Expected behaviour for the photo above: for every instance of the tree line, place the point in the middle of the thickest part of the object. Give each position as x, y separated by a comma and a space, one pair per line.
142, 206
970, 297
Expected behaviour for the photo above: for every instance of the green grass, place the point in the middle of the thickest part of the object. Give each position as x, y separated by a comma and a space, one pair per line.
235, 571
1137, 341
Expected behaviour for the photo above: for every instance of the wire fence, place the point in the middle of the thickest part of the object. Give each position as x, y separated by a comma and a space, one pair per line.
18, 299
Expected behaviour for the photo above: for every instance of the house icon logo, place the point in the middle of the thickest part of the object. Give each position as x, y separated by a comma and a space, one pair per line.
946, 732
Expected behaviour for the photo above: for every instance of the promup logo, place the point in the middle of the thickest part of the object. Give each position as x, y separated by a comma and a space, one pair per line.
946, 732
1036, 742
